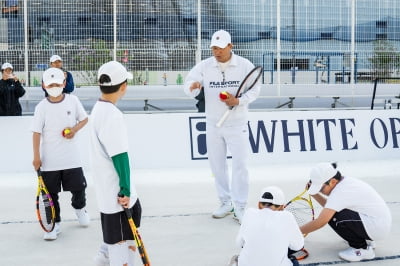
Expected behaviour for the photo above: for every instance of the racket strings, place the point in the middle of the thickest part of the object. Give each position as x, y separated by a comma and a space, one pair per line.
301, 210
45, 211
251, 80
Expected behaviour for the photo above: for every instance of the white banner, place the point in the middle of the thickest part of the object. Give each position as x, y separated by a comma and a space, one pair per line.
176, 140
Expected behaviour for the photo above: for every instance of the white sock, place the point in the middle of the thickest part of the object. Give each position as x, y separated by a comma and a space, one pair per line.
132, 254
118, 254
104, 249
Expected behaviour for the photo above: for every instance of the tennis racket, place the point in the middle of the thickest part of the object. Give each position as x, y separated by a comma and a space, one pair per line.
302, 208
248, 83
45, 210
137, 237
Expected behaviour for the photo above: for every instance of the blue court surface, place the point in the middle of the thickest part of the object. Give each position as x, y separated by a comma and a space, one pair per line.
177, 228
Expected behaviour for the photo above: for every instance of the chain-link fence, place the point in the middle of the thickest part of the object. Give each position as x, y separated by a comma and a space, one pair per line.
307, 41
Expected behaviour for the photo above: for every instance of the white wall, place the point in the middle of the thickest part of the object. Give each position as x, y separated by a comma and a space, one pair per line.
173, 139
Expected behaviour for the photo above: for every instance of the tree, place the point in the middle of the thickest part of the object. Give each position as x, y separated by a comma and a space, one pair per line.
385, 60
91, 57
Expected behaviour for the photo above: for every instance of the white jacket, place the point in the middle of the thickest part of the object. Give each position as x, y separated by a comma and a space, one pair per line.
209, 74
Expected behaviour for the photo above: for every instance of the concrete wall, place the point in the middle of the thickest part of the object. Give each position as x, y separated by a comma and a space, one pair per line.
178, 140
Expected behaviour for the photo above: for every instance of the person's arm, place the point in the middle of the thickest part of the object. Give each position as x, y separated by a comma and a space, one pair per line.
69, 85
297, 238
20, 91
246, 223
121, 165
36, 150
193, 84
320, 199
76, 128
324, 217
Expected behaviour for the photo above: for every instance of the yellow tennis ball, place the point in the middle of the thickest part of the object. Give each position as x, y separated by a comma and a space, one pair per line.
66, 132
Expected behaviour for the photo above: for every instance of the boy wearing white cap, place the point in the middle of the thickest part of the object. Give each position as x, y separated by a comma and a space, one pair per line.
10, 92
223, 72
267, 233
111, 169
353, 209
56, 121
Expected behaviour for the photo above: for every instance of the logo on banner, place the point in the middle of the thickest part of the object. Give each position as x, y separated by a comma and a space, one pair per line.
197, 126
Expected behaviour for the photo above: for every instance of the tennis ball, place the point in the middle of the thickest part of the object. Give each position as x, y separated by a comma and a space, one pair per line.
66, 132
223, 95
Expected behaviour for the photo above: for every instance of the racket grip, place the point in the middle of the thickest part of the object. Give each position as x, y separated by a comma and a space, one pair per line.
223, 118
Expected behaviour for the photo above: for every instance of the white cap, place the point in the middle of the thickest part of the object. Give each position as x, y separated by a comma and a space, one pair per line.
272, 194
319, 174
116, 71
220, 39
6, 65
53, 76
55, 58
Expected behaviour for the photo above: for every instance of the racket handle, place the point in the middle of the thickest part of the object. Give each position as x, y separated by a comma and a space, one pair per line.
223, 118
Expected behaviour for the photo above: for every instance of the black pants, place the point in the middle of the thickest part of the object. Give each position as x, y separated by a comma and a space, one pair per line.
78, 201
348, 225
71, 180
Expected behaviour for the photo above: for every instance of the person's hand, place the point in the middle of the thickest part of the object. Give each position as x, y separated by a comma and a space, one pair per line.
195, 85
123, 201
308, 185
10, 76
69, 133
230, 100
37, 163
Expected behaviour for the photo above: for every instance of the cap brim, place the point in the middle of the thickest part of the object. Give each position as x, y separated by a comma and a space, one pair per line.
129, 75
218, 44
54, 81
265, 200
314, 188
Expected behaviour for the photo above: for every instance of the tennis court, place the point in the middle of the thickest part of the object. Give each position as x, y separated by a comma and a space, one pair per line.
177, 228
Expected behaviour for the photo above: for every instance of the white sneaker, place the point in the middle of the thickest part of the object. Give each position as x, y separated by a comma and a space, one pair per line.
102, 259
53, 234
225, 209
371, 243
354, 254
239, 214
83, 217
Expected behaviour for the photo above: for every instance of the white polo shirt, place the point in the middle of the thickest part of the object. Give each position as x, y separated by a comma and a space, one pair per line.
266, 236
109, 137
358, 196
50, 119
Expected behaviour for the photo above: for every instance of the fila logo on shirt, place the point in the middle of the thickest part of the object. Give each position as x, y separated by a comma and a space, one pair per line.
222, 84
